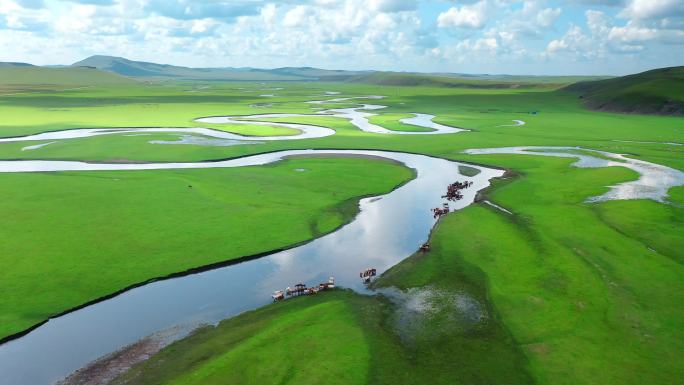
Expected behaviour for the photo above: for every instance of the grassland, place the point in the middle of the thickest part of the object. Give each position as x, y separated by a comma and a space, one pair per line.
555, 304
335, 338
392, 122
252, 130
653, 92
573, 292
560, 120
73, 237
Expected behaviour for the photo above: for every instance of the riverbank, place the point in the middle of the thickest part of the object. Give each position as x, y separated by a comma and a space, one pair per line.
226, 204
525, 308
569, 295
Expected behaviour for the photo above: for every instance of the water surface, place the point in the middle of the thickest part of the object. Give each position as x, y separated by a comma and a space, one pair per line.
386, 231
653, 183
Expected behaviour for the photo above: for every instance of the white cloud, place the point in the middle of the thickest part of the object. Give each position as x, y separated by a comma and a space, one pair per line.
533, 21
652, 9
467, 16
547, 17
296, 16
480, 35
631, 33
487, 44
575, 43
598, 23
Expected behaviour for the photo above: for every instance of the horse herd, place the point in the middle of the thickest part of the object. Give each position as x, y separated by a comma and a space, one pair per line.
301, 289
453, 194
367, 274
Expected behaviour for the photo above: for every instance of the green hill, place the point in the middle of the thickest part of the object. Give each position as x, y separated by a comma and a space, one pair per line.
44, 76
318, 73
464, 81
659, 91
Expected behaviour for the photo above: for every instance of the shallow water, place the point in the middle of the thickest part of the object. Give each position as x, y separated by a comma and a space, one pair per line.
425, 120
653, 183
36, 146
385, 232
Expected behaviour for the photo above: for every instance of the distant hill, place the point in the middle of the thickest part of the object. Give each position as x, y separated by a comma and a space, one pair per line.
13, 65
147, 70
659, 91
317, 73
139, 69
465, 81
28, 75
537, 79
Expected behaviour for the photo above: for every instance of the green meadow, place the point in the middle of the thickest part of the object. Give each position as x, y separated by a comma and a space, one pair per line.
564, 292
90, 234
559, 304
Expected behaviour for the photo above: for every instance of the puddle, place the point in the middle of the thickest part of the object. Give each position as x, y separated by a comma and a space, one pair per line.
428, 313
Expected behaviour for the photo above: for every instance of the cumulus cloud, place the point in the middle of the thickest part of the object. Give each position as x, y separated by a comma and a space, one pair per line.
547, 17
574, 42
436, 35
466, 16
598, 23
295, 17
652, 9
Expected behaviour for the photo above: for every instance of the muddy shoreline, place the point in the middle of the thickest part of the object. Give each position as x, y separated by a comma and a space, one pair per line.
105, 369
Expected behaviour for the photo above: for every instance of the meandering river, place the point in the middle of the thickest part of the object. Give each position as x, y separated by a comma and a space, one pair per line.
355, 115
387, 230
653, 183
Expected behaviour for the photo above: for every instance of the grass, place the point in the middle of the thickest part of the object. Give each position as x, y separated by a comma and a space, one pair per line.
574, 293
561, 121
291, 342
37, 77
336, 337
252, 130
656, 92
468, 171
562, 304
455, 81
72, 237
589, 304
392, 122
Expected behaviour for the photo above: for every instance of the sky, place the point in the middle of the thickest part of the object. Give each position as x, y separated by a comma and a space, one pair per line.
529, 37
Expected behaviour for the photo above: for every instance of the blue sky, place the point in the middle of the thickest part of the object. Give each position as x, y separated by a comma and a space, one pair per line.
469, 36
